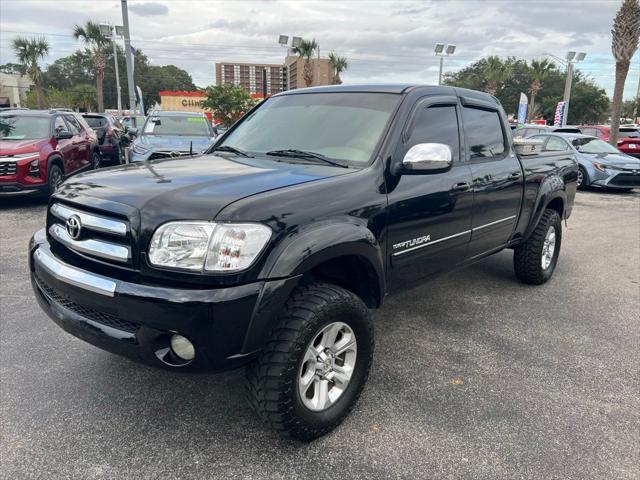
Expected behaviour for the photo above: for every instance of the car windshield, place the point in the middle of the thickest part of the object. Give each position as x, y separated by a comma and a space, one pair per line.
23, 127
178, 125
593, 145
342, 126
96, 122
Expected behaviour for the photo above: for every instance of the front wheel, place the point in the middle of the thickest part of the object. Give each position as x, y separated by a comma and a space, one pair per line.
535, 260
583, 179
315, 364
55, 179
95, 160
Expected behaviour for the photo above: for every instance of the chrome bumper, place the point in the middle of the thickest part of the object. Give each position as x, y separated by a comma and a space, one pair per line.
44, 259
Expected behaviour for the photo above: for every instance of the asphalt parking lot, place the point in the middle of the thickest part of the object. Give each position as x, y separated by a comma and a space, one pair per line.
475, 376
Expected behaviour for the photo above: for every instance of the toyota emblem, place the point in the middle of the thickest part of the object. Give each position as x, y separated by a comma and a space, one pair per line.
74, 226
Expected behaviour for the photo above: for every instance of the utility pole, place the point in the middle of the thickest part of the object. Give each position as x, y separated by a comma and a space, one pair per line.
115, 59
441, 52
129, 57
567, 92
440, 73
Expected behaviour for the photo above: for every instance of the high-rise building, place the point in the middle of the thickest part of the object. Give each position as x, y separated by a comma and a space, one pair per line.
288, 76
250, 76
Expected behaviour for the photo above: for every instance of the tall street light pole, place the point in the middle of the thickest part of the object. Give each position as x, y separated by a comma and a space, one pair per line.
572, 58
129, 58
108, 31
441, 52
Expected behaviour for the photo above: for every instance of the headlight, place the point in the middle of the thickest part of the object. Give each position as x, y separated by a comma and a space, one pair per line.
140, 149
208, 246
600, 166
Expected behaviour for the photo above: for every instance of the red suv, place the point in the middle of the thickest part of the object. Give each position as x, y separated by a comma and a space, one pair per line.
39, 149
628, 138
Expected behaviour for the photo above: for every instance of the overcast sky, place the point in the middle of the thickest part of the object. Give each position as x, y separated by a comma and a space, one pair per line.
384, 41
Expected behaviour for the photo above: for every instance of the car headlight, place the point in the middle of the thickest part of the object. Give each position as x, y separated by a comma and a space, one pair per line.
208, 246
600, 166
140, 149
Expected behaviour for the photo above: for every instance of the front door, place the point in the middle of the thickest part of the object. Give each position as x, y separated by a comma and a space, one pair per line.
65, 146
80, 142
429, 214
498, 180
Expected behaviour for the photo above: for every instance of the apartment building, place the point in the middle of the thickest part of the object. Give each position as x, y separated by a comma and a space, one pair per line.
250, 76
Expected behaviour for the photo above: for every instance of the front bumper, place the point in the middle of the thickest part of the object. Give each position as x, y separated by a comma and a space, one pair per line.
11, 189
618, 179
226, 325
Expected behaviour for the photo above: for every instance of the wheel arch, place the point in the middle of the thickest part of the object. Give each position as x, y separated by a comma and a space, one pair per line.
551, 195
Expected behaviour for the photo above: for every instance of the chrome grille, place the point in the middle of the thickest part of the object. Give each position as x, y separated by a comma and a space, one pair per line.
8, 167
90, 234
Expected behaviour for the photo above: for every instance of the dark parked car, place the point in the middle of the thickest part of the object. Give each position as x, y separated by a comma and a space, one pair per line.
271, 250
172, 134
601, 165
112, 138
39, 149
628, 137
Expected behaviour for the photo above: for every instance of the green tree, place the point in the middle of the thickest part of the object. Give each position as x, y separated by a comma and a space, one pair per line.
338, 64
91, 37
495, 73
306, 50
28, 52
624, 43
228, 102
13, 69
539, 72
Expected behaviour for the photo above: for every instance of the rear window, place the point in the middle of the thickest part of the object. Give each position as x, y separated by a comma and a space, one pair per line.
24, 127
629, 133
178, 125
483, 130
96, 122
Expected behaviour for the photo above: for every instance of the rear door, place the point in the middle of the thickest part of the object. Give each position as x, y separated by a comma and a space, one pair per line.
429, 214
497, 176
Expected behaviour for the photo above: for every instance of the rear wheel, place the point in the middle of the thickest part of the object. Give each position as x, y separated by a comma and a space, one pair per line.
314, 366
583, 179
95, 160
55, 179
535, 260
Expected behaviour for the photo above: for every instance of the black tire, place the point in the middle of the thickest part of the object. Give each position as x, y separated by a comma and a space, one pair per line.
96, 161
583, 179
55, 177
528, 257
272, 379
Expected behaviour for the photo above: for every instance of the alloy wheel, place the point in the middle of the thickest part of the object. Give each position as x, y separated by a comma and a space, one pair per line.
548, 247
327, 366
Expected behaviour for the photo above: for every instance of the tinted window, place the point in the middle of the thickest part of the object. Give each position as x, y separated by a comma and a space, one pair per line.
437, 124
629, 133
74, 126
96, 122
556, 144
483, 131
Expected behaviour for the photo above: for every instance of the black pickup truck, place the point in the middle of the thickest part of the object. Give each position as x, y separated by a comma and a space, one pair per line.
270, 250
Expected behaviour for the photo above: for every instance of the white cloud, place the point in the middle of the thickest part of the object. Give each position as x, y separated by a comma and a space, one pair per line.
383, 41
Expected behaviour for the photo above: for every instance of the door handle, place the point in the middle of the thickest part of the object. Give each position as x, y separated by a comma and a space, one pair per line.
461, 187
514, 175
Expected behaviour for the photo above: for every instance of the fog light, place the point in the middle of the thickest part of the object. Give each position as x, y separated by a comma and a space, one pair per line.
182, 347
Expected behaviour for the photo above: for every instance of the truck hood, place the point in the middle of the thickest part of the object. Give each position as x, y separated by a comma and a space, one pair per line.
174, 143
194, 188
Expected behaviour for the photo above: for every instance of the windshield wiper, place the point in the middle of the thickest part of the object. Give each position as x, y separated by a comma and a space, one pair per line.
230, 149
293, 153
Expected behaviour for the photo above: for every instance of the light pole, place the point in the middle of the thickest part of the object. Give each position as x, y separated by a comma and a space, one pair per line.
441, 52
128, 56
572, 57
107, 30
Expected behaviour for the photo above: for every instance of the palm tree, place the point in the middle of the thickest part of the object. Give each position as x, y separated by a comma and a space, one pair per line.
624, 43
305, 50
495, 72
95, 41
539, 71
28, 51
338, 64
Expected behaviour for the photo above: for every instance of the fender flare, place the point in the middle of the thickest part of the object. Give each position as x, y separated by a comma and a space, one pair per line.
551, 189
317, 243
53, 157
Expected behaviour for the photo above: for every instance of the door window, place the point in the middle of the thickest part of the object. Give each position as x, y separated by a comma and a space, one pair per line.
555, 144
60, 125
73, 124
436, 124
483, 130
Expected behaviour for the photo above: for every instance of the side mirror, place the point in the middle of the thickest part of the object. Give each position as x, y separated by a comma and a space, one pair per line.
134, 132
64, 135
427, 158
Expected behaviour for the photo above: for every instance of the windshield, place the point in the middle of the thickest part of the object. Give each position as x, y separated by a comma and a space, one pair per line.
27, 127
96, 122
593, 145
342, 126
178, 125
